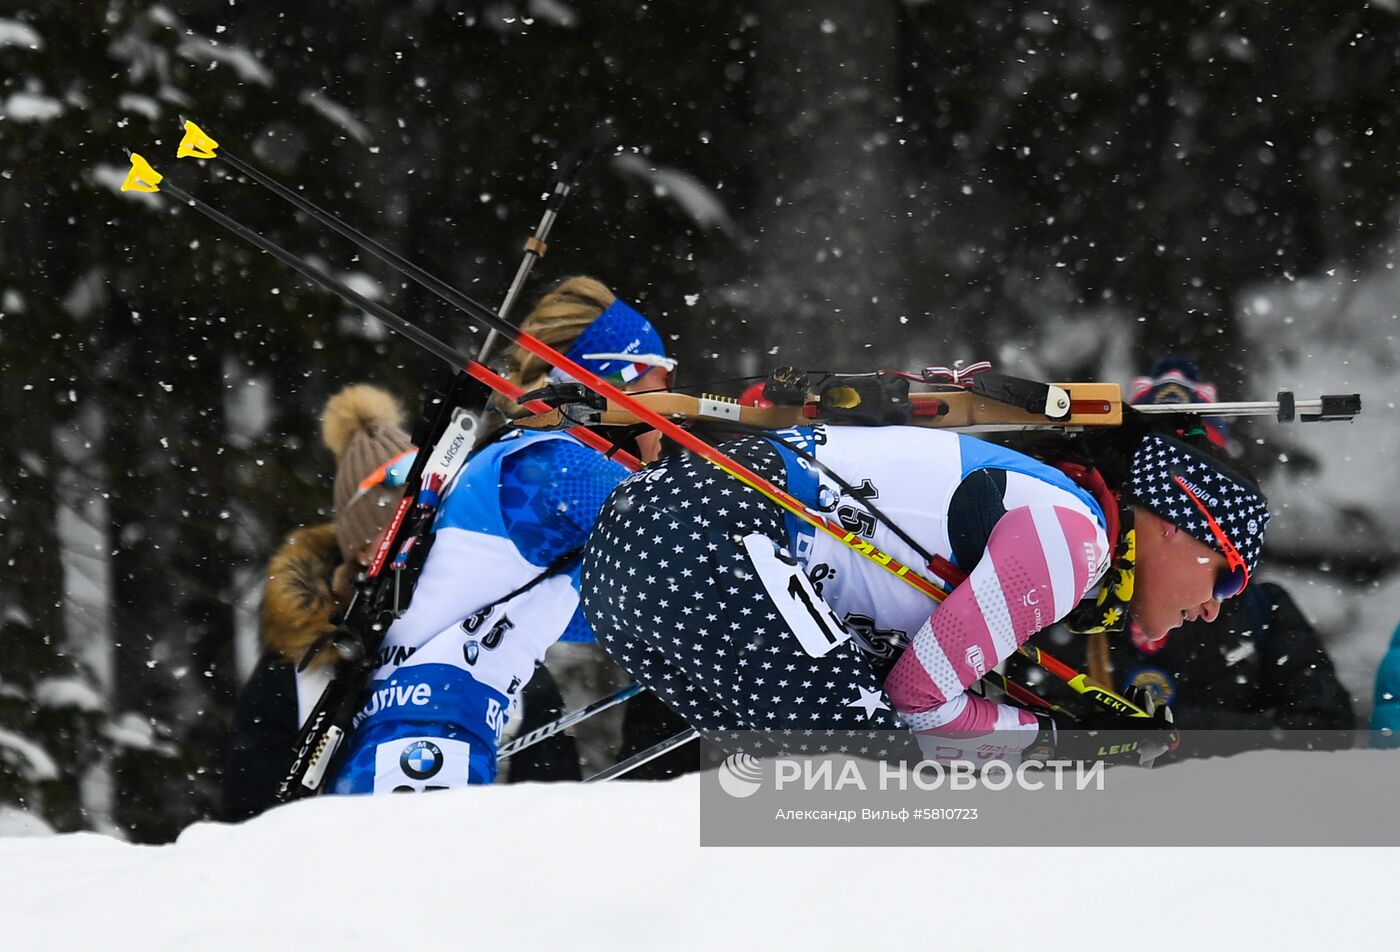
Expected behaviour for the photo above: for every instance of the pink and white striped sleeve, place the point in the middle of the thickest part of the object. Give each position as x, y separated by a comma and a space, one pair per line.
1040, 560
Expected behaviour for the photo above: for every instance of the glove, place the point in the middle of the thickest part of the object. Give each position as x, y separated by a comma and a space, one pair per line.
1108, 736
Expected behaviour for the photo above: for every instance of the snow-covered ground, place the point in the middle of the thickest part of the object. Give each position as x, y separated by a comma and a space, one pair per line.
619, 866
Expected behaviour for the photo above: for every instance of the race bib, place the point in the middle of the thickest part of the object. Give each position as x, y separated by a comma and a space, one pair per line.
420, 764
814, 624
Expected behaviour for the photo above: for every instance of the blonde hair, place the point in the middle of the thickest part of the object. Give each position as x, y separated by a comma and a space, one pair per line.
558, 319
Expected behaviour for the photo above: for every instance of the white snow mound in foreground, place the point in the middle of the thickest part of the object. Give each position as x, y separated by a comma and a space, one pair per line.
618, 866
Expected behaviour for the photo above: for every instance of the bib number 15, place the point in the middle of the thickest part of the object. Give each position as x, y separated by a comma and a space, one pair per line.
810, 619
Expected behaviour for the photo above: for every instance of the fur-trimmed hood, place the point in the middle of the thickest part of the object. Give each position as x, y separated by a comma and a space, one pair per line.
306, 584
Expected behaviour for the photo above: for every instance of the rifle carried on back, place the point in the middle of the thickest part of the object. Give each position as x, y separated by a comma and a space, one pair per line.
973, 398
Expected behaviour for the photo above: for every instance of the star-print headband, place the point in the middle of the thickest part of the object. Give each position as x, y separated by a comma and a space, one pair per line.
620, 345
1207, 498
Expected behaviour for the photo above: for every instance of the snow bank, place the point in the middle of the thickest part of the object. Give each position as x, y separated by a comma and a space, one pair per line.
536, 866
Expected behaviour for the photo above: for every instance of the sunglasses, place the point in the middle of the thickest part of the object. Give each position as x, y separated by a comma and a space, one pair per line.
641, 364
392, 474
667, 380
1232, 579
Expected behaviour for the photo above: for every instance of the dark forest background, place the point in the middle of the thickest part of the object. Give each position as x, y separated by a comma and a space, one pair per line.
820, 183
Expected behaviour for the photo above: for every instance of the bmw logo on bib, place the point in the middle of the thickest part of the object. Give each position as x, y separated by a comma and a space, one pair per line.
421, 759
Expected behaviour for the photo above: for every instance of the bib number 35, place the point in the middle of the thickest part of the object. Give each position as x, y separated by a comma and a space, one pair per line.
814, 624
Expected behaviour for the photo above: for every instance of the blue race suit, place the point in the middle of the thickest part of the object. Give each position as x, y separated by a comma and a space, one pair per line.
450, 666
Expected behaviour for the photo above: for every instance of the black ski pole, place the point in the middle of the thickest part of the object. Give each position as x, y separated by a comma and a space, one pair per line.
565, 180
644, 757
198, 145
563, 723
422, 338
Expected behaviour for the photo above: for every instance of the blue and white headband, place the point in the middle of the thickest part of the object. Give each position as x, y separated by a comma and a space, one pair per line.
620, 345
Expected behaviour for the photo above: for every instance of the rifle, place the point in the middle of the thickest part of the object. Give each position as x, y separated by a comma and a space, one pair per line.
984, 401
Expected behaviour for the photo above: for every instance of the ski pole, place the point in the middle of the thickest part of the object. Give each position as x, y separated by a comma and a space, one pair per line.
563, 723
422, 338
1016, 691
645, 757
1082, 683
536, 245
197, 144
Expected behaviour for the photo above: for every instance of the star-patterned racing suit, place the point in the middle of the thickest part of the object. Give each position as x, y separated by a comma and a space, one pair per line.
743, 618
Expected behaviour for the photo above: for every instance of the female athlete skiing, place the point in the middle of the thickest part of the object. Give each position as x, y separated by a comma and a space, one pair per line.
500, 583
743, 618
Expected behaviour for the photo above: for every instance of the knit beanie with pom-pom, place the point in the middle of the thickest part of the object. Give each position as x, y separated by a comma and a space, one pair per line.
363, 427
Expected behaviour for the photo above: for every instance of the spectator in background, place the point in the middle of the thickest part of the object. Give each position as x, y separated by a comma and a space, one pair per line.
1385, 716
310, 580
1258, 667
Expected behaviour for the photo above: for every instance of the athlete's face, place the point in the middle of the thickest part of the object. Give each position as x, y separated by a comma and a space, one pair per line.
1175, 577
657, 378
